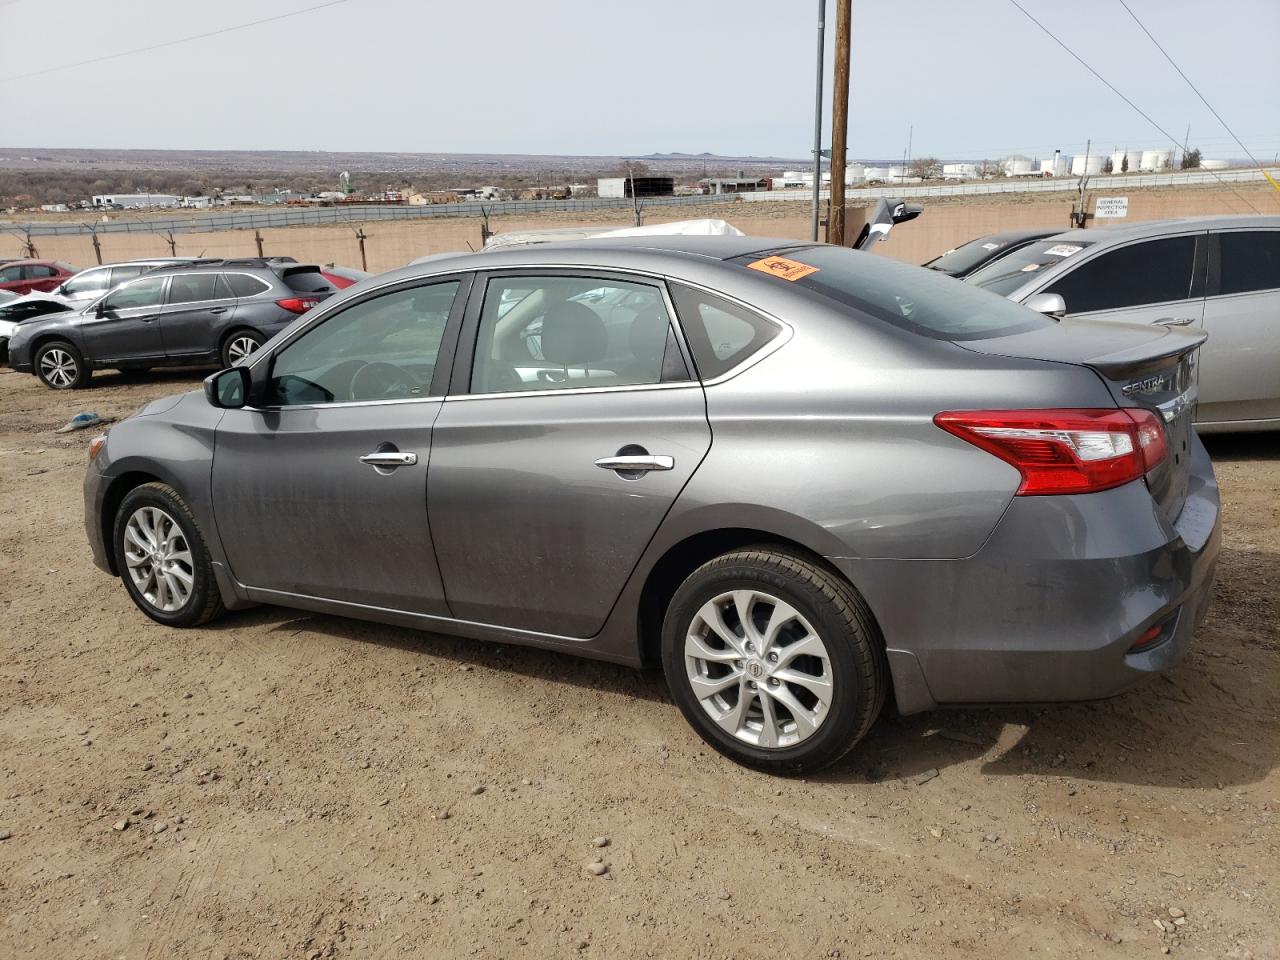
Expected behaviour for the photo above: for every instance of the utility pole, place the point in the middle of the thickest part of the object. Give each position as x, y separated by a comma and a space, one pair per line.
361, 237
839, 122
817, 116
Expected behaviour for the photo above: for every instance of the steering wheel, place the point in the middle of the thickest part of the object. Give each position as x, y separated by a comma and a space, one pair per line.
382, 381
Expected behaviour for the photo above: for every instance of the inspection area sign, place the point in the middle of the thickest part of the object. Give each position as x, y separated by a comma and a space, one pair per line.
1111, 207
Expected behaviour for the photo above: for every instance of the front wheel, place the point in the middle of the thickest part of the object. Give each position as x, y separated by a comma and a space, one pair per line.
60, 366
240, 346
774, 660
162, 558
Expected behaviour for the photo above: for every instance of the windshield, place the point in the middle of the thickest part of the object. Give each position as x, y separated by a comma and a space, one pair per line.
908, 297
1011, 271
962, 259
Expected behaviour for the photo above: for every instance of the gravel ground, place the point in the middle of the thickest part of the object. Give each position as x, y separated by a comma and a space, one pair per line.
287, 785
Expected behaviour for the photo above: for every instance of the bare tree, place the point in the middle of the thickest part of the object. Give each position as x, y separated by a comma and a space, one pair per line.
926, 168
987, 169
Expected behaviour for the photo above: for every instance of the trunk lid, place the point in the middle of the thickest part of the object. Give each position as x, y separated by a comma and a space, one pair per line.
1152, 367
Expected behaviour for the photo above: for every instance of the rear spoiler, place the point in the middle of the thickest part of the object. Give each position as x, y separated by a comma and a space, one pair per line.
886, 214
1138, 361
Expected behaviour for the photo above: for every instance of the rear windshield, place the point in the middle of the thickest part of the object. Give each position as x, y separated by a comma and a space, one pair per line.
965, 257
909, 297
1011, 271
307, 281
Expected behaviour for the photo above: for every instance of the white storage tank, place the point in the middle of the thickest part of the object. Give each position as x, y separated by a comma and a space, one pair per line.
876, 173
1152, 160
855, 173
1213, 164
1017, 167
1086, 166
1057, 167
959, 171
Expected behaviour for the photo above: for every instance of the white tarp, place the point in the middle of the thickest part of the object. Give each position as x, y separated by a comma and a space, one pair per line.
679, 228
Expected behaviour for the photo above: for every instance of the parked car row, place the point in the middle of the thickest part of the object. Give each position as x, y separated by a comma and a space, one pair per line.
1216, 274
158, 312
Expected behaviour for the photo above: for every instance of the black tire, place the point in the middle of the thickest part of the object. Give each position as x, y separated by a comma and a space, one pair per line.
243, 334
204, 602
60, 366
835, 612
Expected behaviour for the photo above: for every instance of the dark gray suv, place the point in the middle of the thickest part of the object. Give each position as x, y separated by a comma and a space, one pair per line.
188, 314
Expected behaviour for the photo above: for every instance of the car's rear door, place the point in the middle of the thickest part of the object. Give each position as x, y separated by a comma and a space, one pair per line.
1240, 366
564, 441
320, 491
124, 325
199, 307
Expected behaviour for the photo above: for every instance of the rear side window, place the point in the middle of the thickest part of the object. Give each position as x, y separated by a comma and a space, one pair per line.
1249, 260
721, 334
307, 281
89, 282
243, 285
121, 274
193, 288
1156, 271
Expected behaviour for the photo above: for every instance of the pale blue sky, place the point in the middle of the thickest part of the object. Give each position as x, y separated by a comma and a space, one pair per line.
974, 77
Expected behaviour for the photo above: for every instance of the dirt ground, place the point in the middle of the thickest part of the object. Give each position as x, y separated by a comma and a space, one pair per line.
297, 786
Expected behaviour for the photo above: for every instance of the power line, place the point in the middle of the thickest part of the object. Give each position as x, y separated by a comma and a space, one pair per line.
1110, 86
1193, 87
171, 43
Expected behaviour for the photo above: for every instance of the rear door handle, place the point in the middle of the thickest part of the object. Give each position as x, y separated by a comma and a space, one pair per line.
389, 458
1176, 321
637, 464
218, 310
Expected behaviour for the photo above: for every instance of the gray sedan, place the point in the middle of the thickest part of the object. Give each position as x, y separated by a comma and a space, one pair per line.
1217, 274
801, 479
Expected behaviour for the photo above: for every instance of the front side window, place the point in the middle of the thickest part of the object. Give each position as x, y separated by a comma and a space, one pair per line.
562, 332
1249, 260
1155, 271
193, 288
140, 293
10, 274
89, 282
384, 348
40, 271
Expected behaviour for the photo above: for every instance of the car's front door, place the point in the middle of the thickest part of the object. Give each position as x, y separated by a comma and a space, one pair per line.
124, 325
320, 490
1149, 281
1240, 363
199, 307
568, 434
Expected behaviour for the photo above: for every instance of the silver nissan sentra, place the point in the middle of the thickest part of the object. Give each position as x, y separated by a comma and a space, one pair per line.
801, 478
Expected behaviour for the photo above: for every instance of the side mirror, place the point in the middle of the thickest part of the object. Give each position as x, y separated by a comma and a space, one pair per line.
100, 310
228, 389
1050, 304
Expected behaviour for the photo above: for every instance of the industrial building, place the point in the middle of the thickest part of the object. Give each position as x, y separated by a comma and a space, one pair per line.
719, 185
643, 186
136, 200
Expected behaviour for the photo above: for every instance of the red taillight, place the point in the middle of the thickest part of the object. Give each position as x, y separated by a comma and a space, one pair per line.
298, 304
1065, 451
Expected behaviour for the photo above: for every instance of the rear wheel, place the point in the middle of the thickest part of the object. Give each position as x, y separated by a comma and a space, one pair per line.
240, 345
774, 660
60, 366
162, 558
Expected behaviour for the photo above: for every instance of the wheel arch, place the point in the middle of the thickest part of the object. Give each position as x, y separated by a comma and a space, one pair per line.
680, 559
114, 495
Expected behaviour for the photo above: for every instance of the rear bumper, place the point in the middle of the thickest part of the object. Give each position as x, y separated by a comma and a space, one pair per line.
1051, 606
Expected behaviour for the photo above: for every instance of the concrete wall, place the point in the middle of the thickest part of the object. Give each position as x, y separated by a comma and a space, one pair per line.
942, 226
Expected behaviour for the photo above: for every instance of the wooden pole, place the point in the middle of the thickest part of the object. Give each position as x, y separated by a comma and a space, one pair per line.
839, 122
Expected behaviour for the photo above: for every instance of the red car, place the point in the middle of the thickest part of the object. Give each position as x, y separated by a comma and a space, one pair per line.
343, 277
24, 276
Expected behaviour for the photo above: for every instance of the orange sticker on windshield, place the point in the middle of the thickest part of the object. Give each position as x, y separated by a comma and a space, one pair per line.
792, 270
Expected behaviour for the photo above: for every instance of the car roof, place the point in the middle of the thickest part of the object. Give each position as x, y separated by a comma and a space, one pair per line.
41, 263
1013, 236
1156, 228
277, 268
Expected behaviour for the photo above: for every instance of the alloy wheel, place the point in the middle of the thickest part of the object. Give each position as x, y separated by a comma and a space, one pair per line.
241, 347
158, 558
58, 367
759, 669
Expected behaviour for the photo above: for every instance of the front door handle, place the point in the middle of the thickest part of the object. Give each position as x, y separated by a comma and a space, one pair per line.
637, 464
218, 310
389, 458
1176, 321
